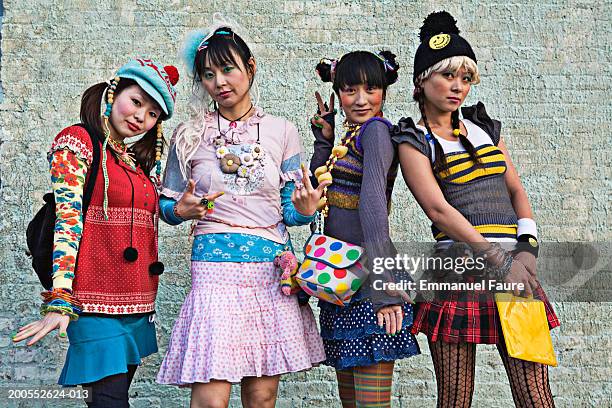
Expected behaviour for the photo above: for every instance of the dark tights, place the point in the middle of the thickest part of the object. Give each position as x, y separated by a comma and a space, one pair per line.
111, 391
455, 365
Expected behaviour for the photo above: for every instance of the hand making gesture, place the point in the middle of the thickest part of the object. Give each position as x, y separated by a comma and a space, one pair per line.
305, 198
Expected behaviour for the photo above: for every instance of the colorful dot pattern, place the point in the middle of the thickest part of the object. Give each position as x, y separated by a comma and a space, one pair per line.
331, 284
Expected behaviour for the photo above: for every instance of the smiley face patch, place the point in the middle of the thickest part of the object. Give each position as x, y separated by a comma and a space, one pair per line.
437, 42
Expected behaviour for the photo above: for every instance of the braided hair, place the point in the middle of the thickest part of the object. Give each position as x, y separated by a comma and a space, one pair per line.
429, 62
440, 164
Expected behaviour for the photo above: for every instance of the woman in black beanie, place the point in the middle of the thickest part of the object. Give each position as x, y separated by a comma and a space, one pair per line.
460, 172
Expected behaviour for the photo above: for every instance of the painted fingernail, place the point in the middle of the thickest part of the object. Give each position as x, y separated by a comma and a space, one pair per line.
317, 117
318, 125
62, 335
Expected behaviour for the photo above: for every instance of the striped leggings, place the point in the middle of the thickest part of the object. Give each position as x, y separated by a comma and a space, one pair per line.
366, 386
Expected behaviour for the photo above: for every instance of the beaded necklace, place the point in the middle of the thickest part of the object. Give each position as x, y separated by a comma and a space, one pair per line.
323, 173
121, 151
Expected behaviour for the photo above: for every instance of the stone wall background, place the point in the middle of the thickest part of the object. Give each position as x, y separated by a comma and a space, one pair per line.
545, 74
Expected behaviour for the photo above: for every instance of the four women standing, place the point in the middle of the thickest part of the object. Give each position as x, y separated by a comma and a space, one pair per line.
238, 173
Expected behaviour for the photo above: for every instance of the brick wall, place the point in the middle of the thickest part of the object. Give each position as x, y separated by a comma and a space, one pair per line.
545, 75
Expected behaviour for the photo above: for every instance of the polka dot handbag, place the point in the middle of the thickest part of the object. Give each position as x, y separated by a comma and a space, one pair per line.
331, 270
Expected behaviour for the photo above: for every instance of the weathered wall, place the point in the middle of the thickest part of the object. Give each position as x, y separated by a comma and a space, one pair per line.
546, 76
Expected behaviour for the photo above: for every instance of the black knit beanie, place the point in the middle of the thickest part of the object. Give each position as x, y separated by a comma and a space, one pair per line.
440, 39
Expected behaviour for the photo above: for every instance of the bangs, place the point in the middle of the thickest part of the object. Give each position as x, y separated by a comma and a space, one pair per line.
359, 68
221, 50
453, 64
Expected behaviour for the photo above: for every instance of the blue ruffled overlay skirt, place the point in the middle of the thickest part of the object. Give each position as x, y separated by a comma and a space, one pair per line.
103, 346
352, 337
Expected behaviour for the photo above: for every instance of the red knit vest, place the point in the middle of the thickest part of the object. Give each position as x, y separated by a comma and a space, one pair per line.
104, 281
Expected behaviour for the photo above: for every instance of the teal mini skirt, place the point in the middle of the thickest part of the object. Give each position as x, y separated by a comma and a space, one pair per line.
103, 346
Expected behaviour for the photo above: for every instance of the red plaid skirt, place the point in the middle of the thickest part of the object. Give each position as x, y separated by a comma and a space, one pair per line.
467, 317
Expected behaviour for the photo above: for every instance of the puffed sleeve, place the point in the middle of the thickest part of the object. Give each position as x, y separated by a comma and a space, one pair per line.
478, 115
406, 132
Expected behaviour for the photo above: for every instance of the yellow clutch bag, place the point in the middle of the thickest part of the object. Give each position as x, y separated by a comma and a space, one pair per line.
525, 329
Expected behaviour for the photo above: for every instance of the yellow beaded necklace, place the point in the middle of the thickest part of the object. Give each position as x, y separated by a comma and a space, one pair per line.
324, 172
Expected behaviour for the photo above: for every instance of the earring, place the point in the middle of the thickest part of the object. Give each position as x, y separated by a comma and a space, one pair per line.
110, 97
255, 92
158, 153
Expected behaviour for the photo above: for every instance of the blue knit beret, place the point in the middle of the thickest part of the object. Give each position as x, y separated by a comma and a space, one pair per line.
156, 80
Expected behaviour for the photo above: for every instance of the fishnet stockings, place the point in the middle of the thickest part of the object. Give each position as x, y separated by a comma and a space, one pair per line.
454, 365
528, 381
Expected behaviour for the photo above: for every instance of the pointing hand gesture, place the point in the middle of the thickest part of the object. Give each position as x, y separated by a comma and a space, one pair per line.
192, 207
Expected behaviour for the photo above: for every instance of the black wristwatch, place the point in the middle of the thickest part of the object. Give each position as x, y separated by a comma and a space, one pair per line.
527, 243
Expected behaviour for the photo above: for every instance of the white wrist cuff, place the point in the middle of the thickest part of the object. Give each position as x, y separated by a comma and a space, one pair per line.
527, 226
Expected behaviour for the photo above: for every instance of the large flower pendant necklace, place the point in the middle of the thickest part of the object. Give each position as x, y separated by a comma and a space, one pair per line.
242, 160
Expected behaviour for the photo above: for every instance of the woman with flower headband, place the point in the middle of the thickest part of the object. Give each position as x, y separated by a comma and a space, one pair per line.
106, 304
236, 325
363, 339
461, 174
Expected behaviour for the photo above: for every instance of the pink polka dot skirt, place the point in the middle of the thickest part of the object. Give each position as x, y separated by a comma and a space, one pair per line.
236, 323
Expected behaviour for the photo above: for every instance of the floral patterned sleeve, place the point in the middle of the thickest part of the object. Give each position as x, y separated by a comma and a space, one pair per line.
68, 173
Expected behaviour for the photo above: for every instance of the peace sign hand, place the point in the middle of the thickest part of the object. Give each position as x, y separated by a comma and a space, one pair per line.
192, 207
305, 198
323, 110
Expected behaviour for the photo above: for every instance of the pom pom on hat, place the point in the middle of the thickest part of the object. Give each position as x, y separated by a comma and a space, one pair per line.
437, 23
440, 39
173, 74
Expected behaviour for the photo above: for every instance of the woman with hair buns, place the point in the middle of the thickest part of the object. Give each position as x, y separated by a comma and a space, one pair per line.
106, 303
461, 174
363, 339
236, 325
